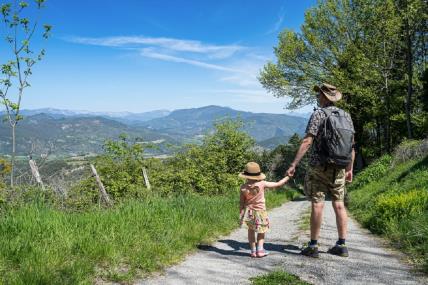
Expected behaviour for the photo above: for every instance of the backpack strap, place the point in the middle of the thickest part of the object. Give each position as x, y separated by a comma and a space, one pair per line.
327, 113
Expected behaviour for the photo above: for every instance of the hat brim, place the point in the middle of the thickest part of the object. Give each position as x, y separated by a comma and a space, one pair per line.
331, 98
261, 176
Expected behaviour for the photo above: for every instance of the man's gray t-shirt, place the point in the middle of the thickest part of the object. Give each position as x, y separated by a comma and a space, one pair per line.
314, 128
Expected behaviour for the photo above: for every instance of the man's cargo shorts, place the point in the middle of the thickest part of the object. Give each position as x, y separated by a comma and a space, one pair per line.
325, 180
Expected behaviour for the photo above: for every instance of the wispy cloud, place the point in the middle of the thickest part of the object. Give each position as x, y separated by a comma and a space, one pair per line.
277, 25
239, 65
178, 45
166, 57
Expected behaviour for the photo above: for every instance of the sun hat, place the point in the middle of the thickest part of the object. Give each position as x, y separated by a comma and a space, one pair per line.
252, 171
329, 91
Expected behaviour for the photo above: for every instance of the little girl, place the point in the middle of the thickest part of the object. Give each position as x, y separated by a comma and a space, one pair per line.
252, 206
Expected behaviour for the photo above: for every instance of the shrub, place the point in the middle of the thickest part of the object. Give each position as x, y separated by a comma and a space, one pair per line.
120, 169
389, 207
372, 173
410, 149
210, 168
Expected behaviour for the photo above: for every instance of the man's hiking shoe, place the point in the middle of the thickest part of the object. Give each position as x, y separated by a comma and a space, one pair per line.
310, 251
340, 250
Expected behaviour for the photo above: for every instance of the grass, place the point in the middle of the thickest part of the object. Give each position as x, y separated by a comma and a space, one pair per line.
43, 245
305, 221
277, 277
393, 202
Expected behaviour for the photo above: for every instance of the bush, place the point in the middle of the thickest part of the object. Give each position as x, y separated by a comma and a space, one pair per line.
410, 149
395, 207
120, 169
402, 205
211, 168
372, 173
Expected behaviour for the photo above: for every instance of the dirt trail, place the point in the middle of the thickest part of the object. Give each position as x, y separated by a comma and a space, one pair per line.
227, 261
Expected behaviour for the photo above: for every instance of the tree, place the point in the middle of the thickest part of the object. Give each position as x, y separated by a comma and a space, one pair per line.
415, 17
19, 30
357, 46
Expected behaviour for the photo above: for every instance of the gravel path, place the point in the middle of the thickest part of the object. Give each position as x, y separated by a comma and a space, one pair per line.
227, 261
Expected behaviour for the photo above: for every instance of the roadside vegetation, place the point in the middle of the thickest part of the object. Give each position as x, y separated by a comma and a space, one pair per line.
71, 237
390, 198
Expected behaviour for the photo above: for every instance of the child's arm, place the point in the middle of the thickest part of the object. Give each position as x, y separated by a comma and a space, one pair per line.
241, 202
281, 182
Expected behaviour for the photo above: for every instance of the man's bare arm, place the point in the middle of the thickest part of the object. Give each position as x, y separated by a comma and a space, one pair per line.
304, 147
350, 166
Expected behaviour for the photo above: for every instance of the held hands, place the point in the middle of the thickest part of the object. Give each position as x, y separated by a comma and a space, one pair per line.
291, 170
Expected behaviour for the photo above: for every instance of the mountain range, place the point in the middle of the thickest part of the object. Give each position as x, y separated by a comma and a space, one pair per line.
71, 133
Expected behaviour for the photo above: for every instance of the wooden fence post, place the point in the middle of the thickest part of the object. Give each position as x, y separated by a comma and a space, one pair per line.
103, 192
146, 178
35, 172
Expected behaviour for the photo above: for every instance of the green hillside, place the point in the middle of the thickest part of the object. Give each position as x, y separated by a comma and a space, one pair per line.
261, 126
69, 134
390, 197
73, 135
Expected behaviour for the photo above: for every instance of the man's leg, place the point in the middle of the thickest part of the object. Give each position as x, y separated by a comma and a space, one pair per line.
342, 228
314, 191
316, 219
341, 218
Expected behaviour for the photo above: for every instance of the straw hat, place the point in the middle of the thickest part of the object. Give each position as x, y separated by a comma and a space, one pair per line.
252, 171
329, 91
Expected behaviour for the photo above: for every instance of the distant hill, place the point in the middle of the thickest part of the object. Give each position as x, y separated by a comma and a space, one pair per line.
79, 132
261, 126
73, 135
126, 117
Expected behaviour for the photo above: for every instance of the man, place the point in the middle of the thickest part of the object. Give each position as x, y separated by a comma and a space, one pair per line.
324, 175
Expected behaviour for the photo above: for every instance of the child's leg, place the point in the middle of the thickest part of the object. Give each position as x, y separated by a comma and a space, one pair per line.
260, 241
252, 239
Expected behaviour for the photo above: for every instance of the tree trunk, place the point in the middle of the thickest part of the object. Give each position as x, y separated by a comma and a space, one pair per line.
12, 172
388, 117
409, 82
379, 135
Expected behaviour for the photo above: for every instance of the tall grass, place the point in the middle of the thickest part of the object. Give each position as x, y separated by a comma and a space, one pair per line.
393, 201
40, 244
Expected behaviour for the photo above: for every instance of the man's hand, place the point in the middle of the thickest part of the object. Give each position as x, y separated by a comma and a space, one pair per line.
291, 170
348, 176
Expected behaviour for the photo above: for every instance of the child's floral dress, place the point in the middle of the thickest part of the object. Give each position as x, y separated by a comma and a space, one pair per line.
253, 208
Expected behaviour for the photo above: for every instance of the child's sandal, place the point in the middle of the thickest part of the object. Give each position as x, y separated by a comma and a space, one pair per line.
253, 254
262, 253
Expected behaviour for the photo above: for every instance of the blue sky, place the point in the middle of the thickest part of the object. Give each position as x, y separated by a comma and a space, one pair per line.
142, 55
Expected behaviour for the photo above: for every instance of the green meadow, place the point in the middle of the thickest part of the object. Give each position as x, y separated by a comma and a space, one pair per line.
43, 245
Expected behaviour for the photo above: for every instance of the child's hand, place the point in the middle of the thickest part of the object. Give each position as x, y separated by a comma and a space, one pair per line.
291, 170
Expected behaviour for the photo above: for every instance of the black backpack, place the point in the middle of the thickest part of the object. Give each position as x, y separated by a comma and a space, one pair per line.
337, 138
